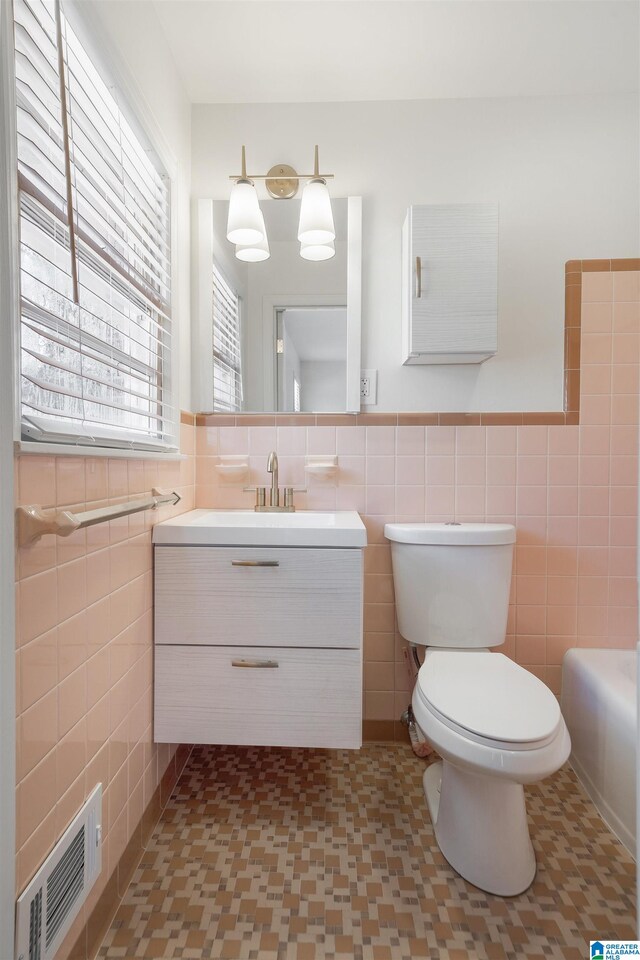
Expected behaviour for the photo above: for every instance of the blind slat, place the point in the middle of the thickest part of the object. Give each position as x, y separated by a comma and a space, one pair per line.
138, 426
100, 399
83, 374
118, 160
140, 323
35, 97
226, 344
115, 215
122, 366
227, 377
96, 284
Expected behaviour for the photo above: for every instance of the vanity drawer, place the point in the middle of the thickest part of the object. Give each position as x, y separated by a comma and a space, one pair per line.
312, 698
282, 597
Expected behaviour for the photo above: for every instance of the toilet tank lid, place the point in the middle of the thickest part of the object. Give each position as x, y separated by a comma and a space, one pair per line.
456, 534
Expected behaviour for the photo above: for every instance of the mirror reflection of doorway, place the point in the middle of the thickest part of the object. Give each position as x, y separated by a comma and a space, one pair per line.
311, 352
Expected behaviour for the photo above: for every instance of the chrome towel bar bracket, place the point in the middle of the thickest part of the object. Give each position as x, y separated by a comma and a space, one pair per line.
32, 522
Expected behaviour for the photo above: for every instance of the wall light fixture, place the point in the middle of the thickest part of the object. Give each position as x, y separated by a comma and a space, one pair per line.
245, 224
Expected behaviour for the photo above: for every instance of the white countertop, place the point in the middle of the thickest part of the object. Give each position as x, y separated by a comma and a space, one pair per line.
303, 528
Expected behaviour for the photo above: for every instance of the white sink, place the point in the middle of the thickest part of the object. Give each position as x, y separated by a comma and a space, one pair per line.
304, 528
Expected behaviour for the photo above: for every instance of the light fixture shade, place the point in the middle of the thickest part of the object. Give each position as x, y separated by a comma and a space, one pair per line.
316, 217
318, 251
254, 252
245, 224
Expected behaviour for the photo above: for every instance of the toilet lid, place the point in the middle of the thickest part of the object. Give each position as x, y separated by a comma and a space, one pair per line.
488, 695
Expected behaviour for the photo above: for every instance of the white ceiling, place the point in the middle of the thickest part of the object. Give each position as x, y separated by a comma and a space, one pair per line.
270, 51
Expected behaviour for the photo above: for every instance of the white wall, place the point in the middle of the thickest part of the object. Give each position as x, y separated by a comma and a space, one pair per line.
131, 35
284, 275
564, 170
290, 366
323, 386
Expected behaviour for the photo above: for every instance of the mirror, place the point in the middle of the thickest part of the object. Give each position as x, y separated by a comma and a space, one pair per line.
289, 339
311, 351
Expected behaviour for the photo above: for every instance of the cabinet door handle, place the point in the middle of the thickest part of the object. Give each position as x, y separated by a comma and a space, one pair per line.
255, 563
257, 664
418, 278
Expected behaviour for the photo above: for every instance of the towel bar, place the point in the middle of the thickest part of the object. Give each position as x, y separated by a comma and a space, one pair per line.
33, 522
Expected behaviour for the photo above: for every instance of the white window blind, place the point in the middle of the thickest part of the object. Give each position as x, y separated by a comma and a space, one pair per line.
95, 258
227, 365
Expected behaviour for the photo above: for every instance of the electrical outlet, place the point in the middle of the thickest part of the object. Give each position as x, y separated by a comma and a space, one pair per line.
369, 386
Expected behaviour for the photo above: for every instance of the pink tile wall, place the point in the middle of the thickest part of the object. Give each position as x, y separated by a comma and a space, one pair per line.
570, 491
84, 653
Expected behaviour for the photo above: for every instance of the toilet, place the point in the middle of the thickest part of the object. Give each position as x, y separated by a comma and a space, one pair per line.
495, 725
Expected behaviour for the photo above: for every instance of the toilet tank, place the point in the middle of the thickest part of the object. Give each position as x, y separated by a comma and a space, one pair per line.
452, 582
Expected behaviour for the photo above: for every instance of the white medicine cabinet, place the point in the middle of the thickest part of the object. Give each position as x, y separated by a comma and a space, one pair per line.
450, 283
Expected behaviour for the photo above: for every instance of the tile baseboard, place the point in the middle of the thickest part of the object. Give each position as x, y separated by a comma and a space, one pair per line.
85, 944
384, 731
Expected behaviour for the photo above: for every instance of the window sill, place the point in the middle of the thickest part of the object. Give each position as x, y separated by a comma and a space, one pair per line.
75, 450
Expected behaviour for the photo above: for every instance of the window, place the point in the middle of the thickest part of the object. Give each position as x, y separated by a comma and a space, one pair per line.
227, 370
95, 258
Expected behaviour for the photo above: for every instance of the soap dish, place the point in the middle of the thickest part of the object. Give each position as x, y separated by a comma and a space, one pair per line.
321, 466
233, 469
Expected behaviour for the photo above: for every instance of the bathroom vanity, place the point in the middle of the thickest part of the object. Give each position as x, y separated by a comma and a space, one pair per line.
258, 628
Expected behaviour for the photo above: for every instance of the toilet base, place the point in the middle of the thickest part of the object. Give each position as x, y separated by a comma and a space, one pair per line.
480, 824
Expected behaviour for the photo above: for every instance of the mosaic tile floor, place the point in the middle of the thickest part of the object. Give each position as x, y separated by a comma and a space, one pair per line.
313, 855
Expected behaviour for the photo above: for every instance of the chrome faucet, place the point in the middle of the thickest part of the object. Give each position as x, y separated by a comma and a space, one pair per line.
272, 468
274, 505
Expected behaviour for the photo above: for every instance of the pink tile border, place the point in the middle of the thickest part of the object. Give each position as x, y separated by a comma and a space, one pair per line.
570, 415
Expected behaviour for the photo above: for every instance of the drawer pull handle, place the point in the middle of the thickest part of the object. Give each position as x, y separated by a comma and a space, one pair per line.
255, 563
260, 664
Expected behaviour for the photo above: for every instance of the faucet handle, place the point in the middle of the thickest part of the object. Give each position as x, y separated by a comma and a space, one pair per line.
289, 492
260, 492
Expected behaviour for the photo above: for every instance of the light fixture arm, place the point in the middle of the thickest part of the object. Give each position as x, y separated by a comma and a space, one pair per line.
316, 175
270, 176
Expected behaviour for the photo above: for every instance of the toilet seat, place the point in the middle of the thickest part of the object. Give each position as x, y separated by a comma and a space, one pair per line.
516, 711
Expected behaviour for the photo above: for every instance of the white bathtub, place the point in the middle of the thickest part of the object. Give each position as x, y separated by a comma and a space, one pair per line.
599, 694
